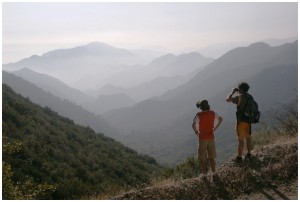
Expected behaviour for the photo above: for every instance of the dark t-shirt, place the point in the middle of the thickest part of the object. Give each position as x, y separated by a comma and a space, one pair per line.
241, 102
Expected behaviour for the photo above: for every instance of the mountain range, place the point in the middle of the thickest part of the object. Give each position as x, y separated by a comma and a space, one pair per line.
97, 64
161, 126
144, 91
168, 65
96, 57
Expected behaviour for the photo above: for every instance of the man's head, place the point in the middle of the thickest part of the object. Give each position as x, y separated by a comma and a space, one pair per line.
243, 87
203, 105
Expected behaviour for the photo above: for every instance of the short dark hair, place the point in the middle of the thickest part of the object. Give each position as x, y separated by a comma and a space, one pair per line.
203, 108
244, 86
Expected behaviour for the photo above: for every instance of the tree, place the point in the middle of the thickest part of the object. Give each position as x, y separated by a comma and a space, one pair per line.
16, 190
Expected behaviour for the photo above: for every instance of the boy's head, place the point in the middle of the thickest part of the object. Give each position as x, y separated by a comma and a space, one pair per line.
203, 105
244, 87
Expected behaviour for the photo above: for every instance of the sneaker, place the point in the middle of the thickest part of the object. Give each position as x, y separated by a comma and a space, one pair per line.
238, 159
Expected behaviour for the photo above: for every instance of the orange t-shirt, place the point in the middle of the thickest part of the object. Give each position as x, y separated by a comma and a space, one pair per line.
206, 120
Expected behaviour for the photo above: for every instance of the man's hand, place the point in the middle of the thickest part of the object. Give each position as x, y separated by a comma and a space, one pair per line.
234, 90
229, 97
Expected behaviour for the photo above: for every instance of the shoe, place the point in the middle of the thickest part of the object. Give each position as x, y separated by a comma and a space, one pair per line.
248, 156
203, 176
238, 159
214, 176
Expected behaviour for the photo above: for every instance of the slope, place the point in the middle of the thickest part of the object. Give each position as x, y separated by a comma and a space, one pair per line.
52, 85
76, 160
272, 168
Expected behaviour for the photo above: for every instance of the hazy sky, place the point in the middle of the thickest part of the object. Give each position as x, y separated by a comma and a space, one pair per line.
36, 28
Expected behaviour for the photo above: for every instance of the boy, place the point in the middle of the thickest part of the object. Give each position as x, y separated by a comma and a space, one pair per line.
204, 127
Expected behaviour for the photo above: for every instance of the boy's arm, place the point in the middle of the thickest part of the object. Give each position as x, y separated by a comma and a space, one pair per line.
229, 97
195, 125
220, 119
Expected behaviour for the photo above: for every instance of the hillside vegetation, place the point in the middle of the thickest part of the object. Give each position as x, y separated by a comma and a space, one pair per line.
47, 156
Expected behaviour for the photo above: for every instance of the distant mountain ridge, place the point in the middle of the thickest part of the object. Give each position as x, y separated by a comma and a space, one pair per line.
99, 58
153, 88
92, 49
107, 98
162, 74
52, 85
97, 64
165, 66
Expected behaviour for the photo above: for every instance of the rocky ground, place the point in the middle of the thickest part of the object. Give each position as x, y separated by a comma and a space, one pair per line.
271, 173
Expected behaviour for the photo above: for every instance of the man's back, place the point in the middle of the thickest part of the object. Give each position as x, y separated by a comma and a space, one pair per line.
206, 124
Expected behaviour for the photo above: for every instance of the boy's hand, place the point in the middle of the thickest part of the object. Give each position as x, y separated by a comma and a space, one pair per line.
234, 90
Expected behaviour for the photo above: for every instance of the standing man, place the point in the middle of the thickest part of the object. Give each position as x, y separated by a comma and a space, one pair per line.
243, 126
204, 127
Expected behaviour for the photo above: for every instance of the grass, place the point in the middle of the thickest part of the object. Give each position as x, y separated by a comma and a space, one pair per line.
284, 127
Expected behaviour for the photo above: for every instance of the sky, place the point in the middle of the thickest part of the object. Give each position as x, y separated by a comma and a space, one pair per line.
36, 28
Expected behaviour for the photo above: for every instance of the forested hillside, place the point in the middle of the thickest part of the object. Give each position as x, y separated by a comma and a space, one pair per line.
66, 160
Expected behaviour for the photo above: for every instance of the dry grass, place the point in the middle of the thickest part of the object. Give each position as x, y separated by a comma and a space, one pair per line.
269, 167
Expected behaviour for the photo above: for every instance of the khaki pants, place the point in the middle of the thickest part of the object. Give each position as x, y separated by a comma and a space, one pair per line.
207, 149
